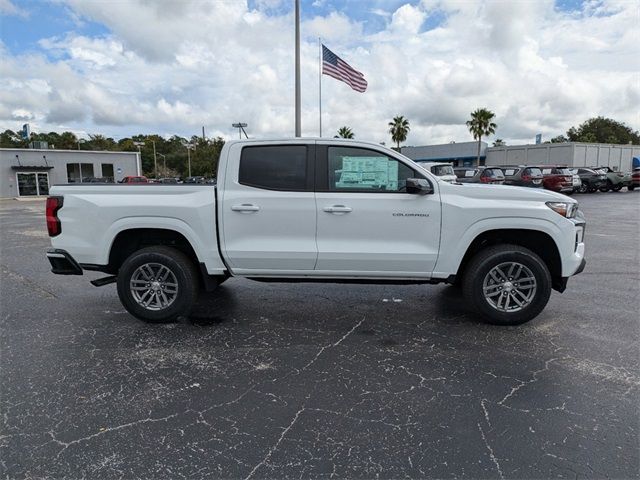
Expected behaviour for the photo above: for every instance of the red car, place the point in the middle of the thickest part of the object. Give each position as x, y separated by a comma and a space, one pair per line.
557, 178
135, 179
635, 179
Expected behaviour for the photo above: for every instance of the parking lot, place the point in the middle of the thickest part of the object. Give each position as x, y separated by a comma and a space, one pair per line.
312, 380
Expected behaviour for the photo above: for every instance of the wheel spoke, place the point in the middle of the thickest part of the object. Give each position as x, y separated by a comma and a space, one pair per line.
513, 296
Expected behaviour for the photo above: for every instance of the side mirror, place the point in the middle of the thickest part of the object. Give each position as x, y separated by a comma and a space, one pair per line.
419, 186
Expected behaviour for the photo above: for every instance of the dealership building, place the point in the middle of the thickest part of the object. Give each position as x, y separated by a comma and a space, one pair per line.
30, 172
571, 154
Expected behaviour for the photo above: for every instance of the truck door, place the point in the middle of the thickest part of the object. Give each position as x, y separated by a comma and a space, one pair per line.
368, 225
268, 212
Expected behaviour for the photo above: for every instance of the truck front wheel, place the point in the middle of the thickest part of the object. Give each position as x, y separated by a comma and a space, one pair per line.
507, 284
158, 284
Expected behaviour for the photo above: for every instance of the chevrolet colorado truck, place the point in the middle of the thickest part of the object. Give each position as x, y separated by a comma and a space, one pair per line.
318, 210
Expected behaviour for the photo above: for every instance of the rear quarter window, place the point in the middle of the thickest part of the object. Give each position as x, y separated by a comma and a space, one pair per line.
510, 172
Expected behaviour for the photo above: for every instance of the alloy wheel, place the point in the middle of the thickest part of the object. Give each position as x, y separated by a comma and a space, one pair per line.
509, 287
153, 286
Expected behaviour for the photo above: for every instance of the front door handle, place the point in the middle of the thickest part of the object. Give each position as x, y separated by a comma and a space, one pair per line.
245, 207
337, 209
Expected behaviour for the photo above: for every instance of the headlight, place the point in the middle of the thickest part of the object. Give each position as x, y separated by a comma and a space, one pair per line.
566, 209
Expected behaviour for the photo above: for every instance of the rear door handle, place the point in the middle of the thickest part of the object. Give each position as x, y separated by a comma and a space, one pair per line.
337, 209
245, 207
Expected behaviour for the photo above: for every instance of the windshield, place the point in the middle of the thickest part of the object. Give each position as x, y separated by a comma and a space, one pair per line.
441, 170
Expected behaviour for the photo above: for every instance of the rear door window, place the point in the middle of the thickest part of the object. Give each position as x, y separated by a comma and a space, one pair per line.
274, 167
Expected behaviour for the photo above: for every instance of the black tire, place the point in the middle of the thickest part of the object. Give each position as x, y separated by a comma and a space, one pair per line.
182, 270
630, 188
488, 259
617, 187
606, 187
583, 188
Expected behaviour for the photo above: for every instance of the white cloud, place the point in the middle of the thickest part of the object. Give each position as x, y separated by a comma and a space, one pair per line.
8, 8
172, 67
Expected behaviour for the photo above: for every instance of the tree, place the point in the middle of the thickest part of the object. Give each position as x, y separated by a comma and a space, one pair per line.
603, 130
559, 139
345, 132
481, 125
499, 142
399, 128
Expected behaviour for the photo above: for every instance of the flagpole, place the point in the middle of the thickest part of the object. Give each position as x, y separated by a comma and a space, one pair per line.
298, 129
320, 83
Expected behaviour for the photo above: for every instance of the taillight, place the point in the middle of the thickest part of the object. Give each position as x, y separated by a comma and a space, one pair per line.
526, 178
484, 179
53, 222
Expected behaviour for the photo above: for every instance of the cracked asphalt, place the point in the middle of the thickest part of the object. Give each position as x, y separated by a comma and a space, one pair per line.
313, 380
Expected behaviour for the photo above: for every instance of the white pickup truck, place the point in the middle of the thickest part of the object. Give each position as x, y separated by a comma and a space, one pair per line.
318, 210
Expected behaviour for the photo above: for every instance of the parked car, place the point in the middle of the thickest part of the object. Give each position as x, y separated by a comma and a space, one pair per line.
557, 178
195, 180
591, 180
577, 183
169, 180
134, 179
442, 170
490, 175
523, 176
615, 180
353, 205
635, 180
102, 180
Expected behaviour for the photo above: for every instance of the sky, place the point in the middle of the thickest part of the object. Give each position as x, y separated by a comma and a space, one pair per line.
124, 67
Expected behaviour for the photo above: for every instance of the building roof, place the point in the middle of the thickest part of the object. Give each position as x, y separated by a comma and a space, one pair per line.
55, 150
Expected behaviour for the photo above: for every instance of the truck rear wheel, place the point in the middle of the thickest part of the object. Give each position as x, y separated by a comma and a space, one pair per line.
507, 284
158, 284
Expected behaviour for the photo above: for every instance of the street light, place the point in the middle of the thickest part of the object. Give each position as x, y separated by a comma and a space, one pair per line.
240, 127
164, 157
189, 146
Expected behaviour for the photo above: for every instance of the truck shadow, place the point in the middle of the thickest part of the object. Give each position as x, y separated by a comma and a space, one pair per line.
212, 308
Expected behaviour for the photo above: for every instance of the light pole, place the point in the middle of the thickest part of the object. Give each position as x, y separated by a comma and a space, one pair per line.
155, 161
139, 144
164, 157
189, 147
240, 126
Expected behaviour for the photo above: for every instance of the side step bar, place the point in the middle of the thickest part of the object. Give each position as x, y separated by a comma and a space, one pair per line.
101, 282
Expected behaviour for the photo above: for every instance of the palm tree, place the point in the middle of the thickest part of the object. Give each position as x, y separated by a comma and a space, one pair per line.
481, 124
345, 132
399, 128
499, 142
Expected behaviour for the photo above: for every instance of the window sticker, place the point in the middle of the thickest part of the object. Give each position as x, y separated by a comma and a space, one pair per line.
367, 172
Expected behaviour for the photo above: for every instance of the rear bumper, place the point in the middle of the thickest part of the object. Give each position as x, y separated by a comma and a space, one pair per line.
62, 263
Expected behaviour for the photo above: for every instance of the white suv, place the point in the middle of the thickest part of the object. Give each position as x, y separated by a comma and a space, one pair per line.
441, 170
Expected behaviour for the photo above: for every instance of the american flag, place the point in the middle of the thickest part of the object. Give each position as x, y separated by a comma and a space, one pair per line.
337, 68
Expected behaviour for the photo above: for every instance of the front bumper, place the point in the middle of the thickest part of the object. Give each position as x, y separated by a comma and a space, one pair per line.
62, 263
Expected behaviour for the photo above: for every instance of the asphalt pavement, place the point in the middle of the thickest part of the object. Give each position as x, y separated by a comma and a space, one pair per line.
320, 380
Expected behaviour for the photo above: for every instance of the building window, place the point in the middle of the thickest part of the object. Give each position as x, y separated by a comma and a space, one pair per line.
30, 184
86, 170
73, 173
107, 172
